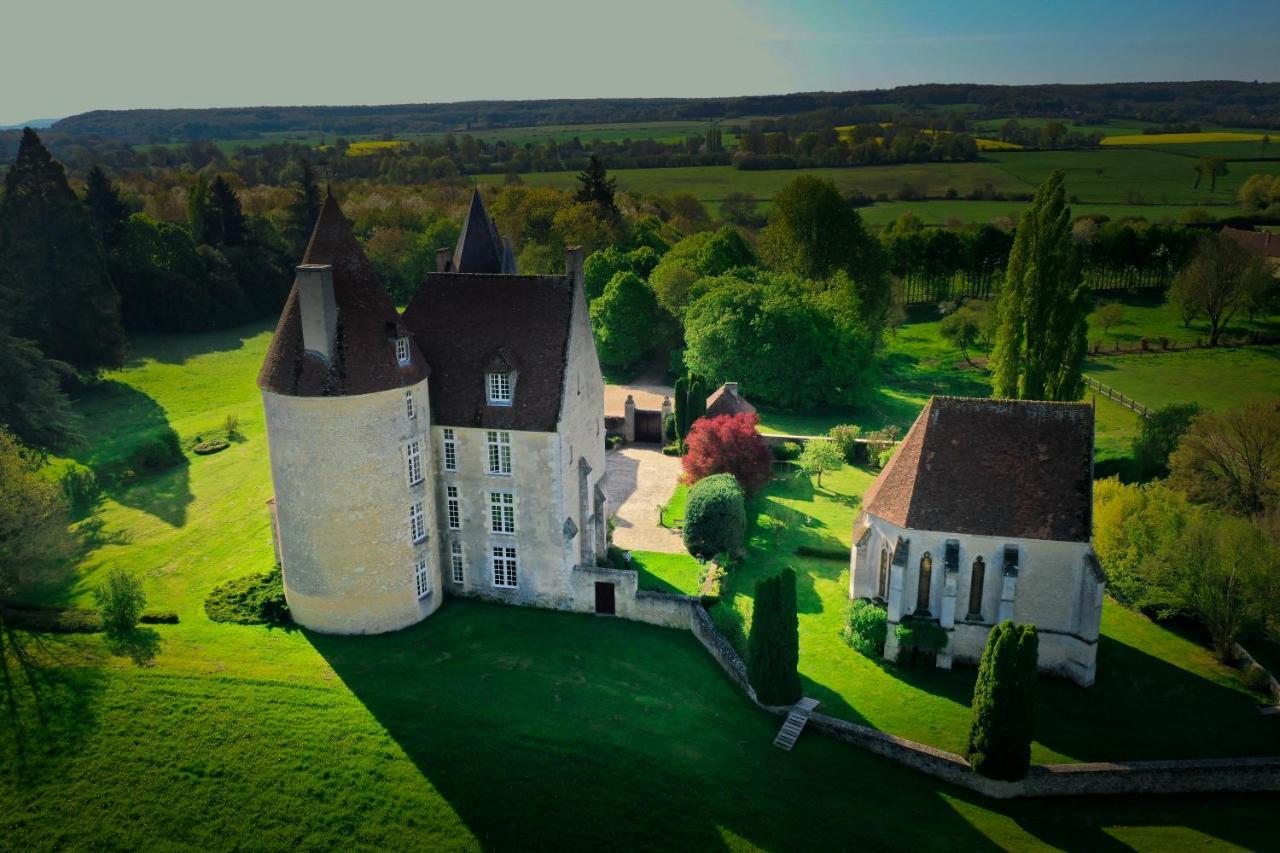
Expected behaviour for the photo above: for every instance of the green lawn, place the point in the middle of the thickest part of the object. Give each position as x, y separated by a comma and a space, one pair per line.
1157, 695
1216, 379
673, 510
675, 573
939, 213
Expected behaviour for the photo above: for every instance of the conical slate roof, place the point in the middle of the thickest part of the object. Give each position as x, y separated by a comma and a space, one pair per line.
1012, 468
364, 360
479, 249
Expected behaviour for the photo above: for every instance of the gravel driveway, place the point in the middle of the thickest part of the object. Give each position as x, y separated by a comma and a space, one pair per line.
640, 479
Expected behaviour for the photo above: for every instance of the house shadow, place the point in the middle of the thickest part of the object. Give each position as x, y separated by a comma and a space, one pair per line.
621, 473
135, 454
46, 700
616, 735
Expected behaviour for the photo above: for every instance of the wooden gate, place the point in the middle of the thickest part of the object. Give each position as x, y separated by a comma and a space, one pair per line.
648, 427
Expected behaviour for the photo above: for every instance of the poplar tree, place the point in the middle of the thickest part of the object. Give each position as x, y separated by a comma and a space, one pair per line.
54, 285
773, 649
1041, 325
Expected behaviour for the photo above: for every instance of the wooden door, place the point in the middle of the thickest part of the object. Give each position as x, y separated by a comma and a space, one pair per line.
604, 598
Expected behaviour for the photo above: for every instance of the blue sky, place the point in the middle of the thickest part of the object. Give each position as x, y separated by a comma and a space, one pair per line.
59, 57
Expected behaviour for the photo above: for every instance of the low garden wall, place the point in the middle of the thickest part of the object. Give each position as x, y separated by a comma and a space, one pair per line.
1044, 780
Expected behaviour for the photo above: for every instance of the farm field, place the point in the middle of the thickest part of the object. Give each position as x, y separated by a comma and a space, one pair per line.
279, 738
1216, 379
1211, 136
940, 212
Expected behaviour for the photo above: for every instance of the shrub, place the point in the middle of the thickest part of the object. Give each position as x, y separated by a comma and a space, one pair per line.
612, 441
231, 425
866, 626
728, 444
715, 517
669, 427
728, 621
159, 617
880, 441
54, 620
157, 454
256, 599
919, 641
80, 487
845, 437
773, 647
787, 451
210, 446
673, 449
999, 744
119, 601
883, 457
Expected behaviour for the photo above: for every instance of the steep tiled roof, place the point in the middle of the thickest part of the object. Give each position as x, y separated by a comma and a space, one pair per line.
479, 249
1011, 468
367, 323
470, 324
726, 400
1262, 243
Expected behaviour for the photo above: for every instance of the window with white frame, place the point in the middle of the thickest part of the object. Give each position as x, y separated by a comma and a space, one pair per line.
421, 580
450, 445
502, 510
417, 523
499, 389
453, 508
402, 351
504, 567
455, 561
408, 405
499, 452
413, 455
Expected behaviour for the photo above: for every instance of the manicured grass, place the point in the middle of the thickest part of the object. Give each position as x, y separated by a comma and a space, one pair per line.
1158, 695
659, 572
673, 510
1147, 314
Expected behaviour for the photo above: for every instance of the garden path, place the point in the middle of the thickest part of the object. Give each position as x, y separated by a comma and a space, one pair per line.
640, 479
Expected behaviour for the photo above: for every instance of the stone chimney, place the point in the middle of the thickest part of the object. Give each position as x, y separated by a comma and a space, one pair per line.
573, 265
444, 257
731, 388
318, 309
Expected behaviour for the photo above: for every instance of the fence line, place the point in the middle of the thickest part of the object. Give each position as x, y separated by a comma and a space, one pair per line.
1112, 394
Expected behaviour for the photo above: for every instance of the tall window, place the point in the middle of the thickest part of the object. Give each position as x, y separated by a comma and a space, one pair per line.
402, 351
452, 507
450, 450
408, 405
421, 580
455, 560
926, 580
499, 452
499, 389
417, 523
413, 453
976, 579
502, 510
504, 566
882, 587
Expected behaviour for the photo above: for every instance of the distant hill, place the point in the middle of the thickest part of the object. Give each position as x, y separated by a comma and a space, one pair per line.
35, 123
1221, 102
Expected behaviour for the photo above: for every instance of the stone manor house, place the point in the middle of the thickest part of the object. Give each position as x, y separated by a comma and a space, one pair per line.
455, 447
985, 513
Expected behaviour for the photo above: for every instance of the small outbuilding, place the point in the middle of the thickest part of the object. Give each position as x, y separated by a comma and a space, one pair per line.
726, 400
983, 514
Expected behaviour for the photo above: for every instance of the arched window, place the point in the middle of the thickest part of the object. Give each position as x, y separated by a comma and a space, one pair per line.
926, 580
882, 588
976, 580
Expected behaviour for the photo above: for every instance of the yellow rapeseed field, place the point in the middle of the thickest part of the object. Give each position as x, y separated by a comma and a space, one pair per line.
1180, 138
997, 145
360, 149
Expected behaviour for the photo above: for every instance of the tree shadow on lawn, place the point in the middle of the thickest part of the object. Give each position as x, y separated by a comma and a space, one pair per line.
611, 734
46, 699
121, 422
180, 347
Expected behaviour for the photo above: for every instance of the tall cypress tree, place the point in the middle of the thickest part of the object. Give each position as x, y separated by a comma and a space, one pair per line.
54, 282
1000, 730
773, 648
596, 188
1041, 335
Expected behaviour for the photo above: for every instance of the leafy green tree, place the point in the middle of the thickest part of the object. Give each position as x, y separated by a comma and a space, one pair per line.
1108, 316
1000, 731
773, 646
626, 321
819, 456
1041, 326
963, 328
1211, 168
1220, 280
783, 344
814, 233
33, 515
55, 288
602, 265
845, 437
32, 404
597, 189
675, 280
1158, 436
1231, 459
120, 601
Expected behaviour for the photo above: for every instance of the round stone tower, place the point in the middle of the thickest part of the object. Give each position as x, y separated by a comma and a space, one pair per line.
344, 387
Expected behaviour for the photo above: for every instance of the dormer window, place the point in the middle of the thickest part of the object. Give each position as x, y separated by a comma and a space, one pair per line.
499, 385
402, 351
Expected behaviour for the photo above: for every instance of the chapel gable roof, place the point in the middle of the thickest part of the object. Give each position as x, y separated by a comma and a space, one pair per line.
469, 324
364, 360
1012, 468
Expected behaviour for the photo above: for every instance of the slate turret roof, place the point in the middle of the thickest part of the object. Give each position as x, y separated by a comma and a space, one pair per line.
479, 248
367, 324
1013, 468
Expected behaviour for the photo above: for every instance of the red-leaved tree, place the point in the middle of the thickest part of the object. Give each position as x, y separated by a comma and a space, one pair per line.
728, 444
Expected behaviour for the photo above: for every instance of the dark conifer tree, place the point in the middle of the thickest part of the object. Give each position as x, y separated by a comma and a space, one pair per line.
107, 210
773, 648
54, 285
305, 209
597, 189
225, 223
